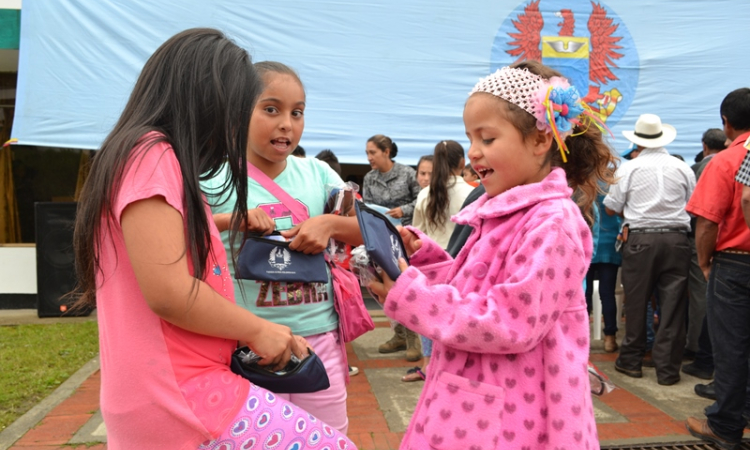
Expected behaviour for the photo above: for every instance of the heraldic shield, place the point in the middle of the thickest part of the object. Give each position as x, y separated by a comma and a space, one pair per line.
569, 55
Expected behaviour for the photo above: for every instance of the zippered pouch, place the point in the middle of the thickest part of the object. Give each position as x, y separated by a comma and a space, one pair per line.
382, 240
264, 258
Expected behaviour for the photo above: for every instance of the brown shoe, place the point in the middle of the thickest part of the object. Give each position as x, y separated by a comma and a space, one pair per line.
629, 372
700, 429
610, 344
413, 346
394, 344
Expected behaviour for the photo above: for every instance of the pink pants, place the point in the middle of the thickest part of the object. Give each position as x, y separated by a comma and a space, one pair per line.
328, 405
266, 421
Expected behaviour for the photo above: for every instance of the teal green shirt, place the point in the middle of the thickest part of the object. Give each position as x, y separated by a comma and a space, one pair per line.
306, 308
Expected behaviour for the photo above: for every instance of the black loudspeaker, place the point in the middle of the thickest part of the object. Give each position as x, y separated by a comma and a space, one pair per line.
55, 260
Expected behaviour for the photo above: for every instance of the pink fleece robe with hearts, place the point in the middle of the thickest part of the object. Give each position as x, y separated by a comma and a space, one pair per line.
509, 324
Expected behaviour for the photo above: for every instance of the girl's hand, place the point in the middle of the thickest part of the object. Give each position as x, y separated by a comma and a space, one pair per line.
275, 344
258, 221
311, 236
411, 242
396, 213
304, 345
381, 289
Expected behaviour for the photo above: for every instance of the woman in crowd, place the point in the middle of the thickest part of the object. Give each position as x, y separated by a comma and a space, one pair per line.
389, 183
604, 267
394, 186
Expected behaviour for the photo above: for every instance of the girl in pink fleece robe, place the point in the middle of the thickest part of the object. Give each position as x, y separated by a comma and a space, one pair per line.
508, 316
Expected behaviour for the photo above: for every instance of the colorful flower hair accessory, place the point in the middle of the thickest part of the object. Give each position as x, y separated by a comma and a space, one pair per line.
555, 104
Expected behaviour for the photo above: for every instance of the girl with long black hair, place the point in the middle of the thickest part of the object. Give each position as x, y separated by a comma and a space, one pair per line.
150, 258
432, 214
445, 194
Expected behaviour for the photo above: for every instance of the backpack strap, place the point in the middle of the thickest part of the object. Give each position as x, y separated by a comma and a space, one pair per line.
299, 213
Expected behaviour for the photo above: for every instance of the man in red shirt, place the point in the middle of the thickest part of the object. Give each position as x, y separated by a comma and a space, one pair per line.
723, 242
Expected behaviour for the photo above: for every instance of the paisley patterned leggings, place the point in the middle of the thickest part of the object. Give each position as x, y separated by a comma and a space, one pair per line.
266, 421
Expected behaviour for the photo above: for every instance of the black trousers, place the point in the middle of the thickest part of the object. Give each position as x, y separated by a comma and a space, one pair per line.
661, 262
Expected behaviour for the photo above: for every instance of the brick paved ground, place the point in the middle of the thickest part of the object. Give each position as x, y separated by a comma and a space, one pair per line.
638, 418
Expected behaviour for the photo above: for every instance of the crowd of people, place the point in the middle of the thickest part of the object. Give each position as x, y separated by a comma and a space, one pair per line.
504, 241
684, 253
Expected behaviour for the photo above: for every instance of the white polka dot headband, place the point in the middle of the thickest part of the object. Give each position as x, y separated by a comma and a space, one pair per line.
554, 103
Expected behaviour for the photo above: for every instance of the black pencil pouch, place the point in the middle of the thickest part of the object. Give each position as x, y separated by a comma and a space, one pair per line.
298, 377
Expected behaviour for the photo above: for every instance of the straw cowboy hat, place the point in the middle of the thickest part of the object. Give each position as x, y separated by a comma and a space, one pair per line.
650, 132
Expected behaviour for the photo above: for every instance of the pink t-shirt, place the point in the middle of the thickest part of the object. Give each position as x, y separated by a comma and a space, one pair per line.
162, 386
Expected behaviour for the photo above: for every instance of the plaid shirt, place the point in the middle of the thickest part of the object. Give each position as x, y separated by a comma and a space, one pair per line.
743, 175
397, 187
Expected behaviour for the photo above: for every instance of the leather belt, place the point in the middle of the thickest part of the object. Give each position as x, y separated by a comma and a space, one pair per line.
735, 251
658, 230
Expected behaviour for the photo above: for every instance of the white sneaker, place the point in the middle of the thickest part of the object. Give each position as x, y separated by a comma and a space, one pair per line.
353, 370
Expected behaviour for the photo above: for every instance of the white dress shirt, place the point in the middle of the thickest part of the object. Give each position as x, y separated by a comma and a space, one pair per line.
652, 190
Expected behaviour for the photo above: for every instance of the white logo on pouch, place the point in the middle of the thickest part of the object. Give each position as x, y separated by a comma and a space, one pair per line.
280, 258
395, 249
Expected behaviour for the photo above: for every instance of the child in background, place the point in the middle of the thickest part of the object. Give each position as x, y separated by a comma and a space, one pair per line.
508, 315
330, 158
443, 198
153, 264
470, 176
436, 204
424, 171
307, 308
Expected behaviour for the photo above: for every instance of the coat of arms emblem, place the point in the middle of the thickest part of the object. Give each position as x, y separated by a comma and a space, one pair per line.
280, 258
584, 40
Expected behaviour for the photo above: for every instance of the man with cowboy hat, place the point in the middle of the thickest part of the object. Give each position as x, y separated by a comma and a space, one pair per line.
651, 193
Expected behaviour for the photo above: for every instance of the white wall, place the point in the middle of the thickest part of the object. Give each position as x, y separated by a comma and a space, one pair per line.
18, 269
10, 4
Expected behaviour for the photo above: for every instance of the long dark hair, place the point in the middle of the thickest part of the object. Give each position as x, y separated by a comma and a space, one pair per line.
448, 156
590, 157
195, 93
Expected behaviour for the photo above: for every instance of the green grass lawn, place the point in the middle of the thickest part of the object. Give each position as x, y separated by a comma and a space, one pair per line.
36, 359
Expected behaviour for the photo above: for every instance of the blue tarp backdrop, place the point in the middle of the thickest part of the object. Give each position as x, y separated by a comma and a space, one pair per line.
400, 68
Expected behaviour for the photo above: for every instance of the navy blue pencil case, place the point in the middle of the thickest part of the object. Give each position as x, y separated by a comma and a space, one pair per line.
267, 259
382, 240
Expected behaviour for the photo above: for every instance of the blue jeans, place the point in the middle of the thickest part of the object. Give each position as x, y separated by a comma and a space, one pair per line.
606, 273
704, 358
728, 310
426, 345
